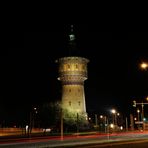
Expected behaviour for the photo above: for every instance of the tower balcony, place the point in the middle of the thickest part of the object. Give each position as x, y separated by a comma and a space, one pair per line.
73, 74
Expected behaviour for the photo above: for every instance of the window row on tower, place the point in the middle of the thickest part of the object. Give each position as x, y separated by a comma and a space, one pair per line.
79, 103
73, 67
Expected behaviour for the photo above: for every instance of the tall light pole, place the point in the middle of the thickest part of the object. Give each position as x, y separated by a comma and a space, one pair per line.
126, 124
32, 114
113, 111
77, 124
138, 111
144, 66
142, 109
96, 120
104, 122
61, 124
114, 114
107, 123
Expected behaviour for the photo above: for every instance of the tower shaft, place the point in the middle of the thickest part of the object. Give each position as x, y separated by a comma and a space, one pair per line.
73, 99
72, 74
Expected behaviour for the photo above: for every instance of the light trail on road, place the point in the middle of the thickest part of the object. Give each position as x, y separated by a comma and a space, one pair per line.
72, 140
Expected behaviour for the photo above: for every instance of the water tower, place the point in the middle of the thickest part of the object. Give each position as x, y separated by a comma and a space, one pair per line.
72, 74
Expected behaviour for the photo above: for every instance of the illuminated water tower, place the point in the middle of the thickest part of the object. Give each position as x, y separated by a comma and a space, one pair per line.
72, 74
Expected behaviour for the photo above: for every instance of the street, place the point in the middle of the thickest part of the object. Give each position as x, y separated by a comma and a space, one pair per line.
130, 139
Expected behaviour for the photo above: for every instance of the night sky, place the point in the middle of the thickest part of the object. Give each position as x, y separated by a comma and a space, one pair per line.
29, 72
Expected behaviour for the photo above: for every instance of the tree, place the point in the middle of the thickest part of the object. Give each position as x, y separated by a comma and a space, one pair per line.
50, 114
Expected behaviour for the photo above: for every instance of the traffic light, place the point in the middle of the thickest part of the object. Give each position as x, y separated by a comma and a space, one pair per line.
134, 103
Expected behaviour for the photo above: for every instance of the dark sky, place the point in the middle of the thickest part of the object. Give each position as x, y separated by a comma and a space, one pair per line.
29, 72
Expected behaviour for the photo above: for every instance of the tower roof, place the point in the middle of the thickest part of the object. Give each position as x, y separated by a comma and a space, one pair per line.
72, 46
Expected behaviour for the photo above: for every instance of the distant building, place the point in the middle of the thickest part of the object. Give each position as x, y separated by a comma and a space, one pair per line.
72, 74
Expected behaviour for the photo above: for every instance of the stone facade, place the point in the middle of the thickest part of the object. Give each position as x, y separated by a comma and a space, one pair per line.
72, 74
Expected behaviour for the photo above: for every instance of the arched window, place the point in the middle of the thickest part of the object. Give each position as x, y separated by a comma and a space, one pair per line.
68, 66
83, 67
69, 103
79, 103
76, 66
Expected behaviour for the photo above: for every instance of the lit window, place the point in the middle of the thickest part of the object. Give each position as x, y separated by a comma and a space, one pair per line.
83, 67
76, 66
68, 66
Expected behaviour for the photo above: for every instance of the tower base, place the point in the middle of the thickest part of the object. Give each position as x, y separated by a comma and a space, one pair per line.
75, 121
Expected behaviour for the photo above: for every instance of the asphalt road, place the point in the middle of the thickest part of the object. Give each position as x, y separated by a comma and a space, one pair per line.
124, 144
88, 141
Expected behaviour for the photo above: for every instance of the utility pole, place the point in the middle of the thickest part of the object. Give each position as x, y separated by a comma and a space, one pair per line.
30, 124
77, 124
115, 119
105, 124
132, 122
61, 124
107, 129
142, 107
126, 124
96, 120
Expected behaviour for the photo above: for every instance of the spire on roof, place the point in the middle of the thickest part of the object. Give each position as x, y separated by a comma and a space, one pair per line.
72, 47
71, 36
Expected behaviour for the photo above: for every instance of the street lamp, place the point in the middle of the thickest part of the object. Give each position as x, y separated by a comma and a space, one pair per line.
135, 119
32, 116
105, 122
144, 65
138, 111
113, 111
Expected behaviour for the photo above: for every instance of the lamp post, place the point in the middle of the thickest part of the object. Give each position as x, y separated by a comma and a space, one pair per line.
113, 111
107, 127
126, 123
105, 122
138, 111
96, 120
144, 66
32, 117
77, 124
142, 117
61, 124
114, 114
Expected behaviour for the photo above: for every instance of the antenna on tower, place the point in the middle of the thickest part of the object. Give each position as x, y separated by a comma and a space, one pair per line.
71, 28
71, 36
72, 46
